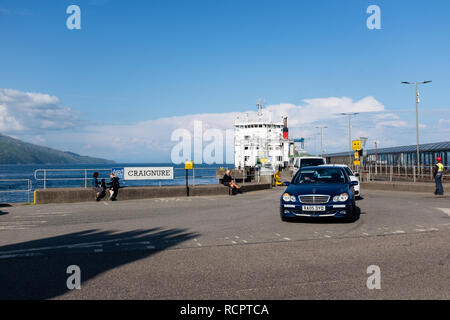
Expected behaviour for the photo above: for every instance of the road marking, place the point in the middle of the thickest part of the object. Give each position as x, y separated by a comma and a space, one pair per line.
105, 203
233, 242
287, 239
327, 236
198, 244
278, 235
65, 246
445, 210
8, 256
420, 230
244, 241
236, 237
365, 234
398, 232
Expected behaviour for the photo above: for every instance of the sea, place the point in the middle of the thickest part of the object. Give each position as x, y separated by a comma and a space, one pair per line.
18, 182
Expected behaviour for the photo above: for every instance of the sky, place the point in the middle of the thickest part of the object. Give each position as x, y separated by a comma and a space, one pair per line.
137, 71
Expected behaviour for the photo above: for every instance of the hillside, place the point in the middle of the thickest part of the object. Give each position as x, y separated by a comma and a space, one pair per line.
13, 151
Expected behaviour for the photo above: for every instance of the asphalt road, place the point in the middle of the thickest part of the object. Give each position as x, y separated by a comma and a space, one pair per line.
223, 247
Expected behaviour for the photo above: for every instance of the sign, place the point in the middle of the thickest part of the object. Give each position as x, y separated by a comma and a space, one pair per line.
118, 172
356, 145
356, 155
357, 163
148, 173
189, 165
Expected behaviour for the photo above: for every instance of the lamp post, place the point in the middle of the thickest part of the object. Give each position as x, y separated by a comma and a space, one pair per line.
350, 134
321, 138
416, 85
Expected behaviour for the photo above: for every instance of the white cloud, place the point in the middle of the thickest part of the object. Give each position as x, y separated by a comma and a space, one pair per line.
23, 111
150, 140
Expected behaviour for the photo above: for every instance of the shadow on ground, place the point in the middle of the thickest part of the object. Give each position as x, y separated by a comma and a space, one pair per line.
45, 276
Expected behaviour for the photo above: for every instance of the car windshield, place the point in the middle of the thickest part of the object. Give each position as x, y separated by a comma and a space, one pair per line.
311, 162
320, 175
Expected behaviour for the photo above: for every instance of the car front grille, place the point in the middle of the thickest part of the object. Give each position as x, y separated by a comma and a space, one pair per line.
314, 199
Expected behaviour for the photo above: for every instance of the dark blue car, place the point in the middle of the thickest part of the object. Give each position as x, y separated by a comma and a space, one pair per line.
319, 192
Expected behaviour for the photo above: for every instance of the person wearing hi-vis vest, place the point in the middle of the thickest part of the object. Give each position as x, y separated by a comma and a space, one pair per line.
438, 172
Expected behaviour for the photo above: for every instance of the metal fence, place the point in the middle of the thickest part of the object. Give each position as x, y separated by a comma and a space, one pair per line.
12, 183
385, 172
51, 178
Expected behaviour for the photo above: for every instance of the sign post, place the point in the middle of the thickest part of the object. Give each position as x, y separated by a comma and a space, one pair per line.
188, 165
356, 146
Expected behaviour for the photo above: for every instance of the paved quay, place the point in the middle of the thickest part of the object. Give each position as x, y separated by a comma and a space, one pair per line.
226, 247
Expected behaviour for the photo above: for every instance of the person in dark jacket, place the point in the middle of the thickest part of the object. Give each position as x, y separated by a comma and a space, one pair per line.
99, 187
113, 187
228, 181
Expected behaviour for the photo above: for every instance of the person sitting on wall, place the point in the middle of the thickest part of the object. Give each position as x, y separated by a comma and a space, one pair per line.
114, 187
99, 187
228, 181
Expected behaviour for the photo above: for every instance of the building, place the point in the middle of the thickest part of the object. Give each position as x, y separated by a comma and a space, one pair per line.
262, 141
405, 155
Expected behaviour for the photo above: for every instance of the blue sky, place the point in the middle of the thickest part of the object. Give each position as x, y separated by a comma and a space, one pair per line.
137, 61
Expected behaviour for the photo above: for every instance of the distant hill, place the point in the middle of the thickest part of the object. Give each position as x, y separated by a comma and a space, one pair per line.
13, 151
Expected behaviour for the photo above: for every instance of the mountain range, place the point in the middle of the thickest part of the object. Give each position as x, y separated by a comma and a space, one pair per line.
14, 151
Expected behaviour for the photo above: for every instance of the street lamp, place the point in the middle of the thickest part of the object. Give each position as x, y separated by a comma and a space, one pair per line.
321, 138
416, 85
350, 114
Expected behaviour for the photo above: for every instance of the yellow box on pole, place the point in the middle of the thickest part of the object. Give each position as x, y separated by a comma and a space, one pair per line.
356, 145
189, 165
356, 155
357, 163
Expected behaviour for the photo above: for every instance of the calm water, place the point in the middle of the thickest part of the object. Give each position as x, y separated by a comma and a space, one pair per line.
204, 174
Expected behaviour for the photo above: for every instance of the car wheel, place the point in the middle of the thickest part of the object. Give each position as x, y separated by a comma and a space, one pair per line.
354, 215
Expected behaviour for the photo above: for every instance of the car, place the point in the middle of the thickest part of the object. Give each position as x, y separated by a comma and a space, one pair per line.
319, 192
301, 162
354, 176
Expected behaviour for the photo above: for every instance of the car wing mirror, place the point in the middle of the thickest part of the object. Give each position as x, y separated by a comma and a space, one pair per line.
354, 183
286, 183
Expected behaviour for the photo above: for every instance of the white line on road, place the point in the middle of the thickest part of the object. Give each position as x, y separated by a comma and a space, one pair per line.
287, 239
398, 232
445, 210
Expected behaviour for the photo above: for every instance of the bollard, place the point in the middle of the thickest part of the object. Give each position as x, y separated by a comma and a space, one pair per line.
414, 173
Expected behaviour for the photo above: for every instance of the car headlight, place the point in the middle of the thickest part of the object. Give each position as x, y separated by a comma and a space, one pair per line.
341, 198
286, 197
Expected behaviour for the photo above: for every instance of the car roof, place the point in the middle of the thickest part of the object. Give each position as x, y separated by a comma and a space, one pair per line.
335, 165
320, 166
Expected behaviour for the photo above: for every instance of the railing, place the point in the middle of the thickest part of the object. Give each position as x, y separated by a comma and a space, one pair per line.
385, 172
198, 175
28, 190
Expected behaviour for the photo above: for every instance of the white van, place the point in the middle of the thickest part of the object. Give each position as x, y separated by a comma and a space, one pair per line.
308, 161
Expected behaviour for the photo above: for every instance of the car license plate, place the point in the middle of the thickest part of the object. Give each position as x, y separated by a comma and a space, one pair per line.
313, 208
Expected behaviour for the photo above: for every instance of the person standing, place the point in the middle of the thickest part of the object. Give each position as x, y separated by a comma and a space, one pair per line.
438, 172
